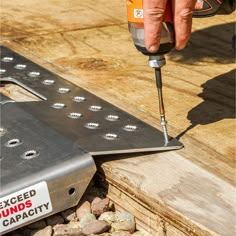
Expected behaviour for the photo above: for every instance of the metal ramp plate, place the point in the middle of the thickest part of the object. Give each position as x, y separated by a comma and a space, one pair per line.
47, 146
95, 125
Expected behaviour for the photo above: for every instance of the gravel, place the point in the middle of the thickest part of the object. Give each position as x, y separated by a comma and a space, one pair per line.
95, 215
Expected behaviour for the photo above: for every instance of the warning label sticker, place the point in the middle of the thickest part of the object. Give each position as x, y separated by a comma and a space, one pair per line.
138, 13
25, 205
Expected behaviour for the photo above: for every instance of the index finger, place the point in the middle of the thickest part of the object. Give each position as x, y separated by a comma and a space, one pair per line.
153, 16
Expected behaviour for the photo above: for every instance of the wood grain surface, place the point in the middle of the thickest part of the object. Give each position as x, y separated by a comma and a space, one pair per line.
186, 192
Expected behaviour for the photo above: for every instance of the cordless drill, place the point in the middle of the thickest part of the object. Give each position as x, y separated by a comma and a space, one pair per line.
203, 8
157, 59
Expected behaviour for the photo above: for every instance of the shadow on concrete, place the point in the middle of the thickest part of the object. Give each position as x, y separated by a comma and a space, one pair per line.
219, 101
211, 45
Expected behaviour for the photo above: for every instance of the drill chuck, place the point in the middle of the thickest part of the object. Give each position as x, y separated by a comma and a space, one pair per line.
156, 61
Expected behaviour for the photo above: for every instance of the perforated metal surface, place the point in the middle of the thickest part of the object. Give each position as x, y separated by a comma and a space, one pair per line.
50, 142
95, 125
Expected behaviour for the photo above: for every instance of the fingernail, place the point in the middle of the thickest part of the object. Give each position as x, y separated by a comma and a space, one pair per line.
153, 48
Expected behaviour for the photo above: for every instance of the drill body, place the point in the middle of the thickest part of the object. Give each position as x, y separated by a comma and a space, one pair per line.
136, 28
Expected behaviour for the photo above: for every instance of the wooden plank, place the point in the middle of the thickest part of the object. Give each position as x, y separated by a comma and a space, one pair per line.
36, 17
193, 189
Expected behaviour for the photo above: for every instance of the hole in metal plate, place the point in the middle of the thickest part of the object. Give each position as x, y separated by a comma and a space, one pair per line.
74, 115
71, 191
20, 67
79, 99
95, 108
48, 82
30, 154
63, 90
7, 59
112, 117
34, 74
2, 71
111, 136
13, 142
92, 125
58, 105
130, 128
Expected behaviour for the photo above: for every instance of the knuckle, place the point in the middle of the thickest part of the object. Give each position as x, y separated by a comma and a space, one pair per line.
154, 13
186, 14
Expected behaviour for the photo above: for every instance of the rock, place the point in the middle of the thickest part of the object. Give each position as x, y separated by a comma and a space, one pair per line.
139, 233
99, 206
66, 230
68, 215
108, 216
121, 233
37, 225
95, 227
122, 226
43, 232
124, 222
55, 219
83, 209
86, 219
74, 225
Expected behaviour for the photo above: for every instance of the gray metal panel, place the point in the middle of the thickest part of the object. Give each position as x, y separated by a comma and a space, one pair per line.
52, 140
58, 160
91, 130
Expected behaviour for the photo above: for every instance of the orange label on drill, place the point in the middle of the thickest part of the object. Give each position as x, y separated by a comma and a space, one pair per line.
135, 11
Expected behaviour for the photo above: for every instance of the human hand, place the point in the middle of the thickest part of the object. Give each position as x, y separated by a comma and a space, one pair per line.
154, 11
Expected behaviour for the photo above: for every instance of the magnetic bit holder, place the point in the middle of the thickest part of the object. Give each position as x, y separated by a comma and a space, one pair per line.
47, 146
